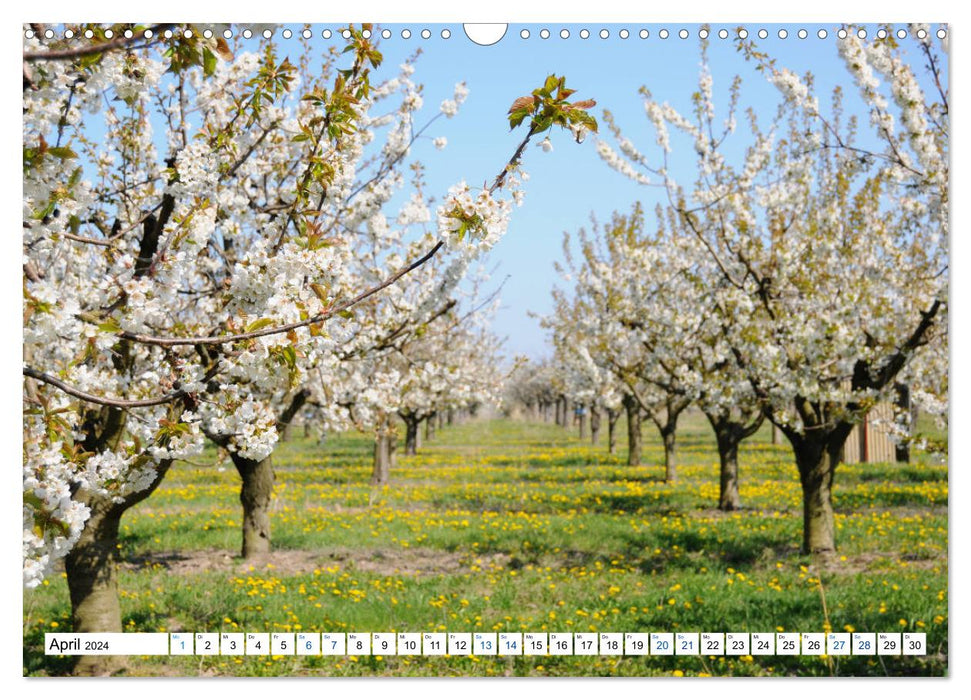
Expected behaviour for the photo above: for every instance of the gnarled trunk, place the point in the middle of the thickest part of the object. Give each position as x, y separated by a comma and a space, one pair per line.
666, 421
91, 568
817, 453
729, 432
594, 425
412, 437
633, 430
255, 495
816, 470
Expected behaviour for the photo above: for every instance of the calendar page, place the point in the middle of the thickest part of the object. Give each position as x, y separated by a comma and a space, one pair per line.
539, 349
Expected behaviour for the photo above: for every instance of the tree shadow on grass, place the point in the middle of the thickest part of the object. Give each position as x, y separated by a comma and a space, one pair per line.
37, 663
690, 549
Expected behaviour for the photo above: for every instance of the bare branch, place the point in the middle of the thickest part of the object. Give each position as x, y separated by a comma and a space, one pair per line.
101, 400
91, 49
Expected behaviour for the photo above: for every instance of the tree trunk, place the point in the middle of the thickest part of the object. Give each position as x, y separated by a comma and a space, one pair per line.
558, 419
412, 437
451, 416
384, 457
729, 434
92, 580
285, 419
776, 435
430, 428
91, 570
902, 451
255, 495
306, 429
594, 425
727, 440
382, 467
669, 436
582, 420
612, 417
816, 474
817, 454
441, 420
633, 431
666, 421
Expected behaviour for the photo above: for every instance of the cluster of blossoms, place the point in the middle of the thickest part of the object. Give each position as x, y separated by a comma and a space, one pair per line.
476, 219
451, 107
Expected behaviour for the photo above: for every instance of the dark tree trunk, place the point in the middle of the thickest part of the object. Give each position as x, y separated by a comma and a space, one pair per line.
612, 417
667, 424
669, 437
594, 425
441, 420
285, 419
902, 452
633, 430
255, 495
776, 435
451, 416
306, 429
430, 428
729, 433
412, 436
582, 420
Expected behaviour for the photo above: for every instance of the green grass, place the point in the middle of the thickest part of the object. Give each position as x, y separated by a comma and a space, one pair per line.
501, 525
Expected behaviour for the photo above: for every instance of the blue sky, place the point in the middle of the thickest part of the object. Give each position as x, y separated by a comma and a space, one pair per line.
571, 183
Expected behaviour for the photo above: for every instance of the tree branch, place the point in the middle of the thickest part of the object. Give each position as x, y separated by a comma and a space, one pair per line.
101, 400
319, 318
91, 49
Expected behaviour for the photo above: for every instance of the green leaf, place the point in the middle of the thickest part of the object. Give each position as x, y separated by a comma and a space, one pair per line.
551, 83
208, 62
258, 324
109, 325
62, 152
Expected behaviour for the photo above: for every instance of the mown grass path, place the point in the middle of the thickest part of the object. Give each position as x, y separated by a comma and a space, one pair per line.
502, 525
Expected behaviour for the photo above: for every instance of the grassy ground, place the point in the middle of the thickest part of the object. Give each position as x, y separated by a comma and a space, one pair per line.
511, 526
